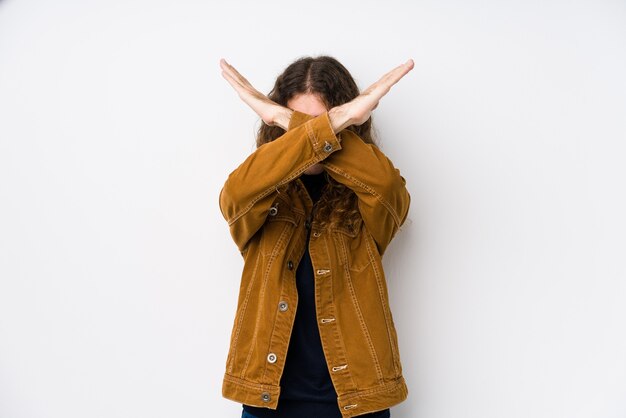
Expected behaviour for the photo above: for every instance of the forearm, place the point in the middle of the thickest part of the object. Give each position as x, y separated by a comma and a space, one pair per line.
282, 117
249, 190
383, 197
339, 118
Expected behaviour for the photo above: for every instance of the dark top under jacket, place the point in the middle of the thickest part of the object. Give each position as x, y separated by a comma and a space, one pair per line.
307, 390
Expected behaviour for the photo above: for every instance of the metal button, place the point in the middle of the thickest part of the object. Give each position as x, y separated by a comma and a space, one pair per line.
265, 397
273, 211
290, 265
328, 147
282, 306
271, 357
316, 234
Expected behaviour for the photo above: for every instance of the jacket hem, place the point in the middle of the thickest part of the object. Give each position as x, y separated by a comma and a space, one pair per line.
350, 405
373, 399
250, 393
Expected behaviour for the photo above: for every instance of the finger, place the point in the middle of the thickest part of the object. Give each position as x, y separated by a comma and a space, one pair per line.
239, 88
230, 78
393, 76
385, 83
237, 81
226, 67
234, 73
250, 96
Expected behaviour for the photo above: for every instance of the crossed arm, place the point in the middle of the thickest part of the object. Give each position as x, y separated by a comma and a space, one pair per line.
250, 189
355, 112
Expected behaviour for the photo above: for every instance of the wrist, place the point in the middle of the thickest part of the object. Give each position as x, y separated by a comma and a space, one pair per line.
339, 118
282, 117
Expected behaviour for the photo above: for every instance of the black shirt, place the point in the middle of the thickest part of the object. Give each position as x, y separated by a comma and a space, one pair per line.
307, 390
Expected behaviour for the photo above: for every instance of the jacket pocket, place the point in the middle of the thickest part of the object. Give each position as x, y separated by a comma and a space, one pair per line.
278, 228
352, 246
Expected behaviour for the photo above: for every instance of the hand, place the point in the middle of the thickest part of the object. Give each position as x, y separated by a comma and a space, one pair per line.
270, 112
358, 110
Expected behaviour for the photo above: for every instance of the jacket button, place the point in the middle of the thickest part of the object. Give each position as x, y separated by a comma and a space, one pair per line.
265, 397
316, 234
273, 211
328, 147
290, 265
271, 357
282, 306
337, 368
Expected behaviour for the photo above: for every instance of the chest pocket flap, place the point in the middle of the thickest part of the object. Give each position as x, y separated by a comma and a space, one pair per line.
281, 211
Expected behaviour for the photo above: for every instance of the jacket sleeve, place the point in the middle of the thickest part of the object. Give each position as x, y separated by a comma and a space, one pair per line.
383, 198
250, 190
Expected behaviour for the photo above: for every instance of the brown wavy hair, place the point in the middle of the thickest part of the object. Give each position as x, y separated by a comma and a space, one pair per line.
330, 80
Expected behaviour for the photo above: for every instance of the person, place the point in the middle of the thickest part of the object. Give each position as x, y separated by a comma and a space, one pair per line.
312, 211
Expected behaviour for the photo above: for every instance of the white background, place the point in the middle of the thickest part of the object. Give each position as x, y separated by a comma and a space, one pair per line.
118, 276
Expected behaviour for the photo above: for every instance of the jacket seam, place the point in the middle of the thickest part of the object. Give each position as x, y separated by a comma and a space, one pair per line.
384, 305
258, 317
357, 308
247, 383
313, 138
271, 334
245, 306
266, 276
387, 387
267, 192
373, 192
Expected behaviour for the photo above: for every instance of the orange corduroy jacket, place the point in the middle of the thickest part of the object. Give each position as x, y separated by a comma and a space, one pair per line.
269, 228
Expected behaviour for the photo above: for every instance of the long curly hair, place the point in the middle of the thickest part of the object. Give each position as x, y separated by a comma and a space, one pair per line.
330, 80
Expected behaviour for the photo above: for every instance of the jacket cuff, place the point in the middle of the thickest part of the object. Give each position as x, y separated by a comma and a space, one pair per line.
297, 119
321, 134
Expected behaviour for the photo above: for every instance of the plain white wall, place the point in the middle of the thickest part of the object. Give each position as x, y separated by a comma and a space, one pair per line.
119, 278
